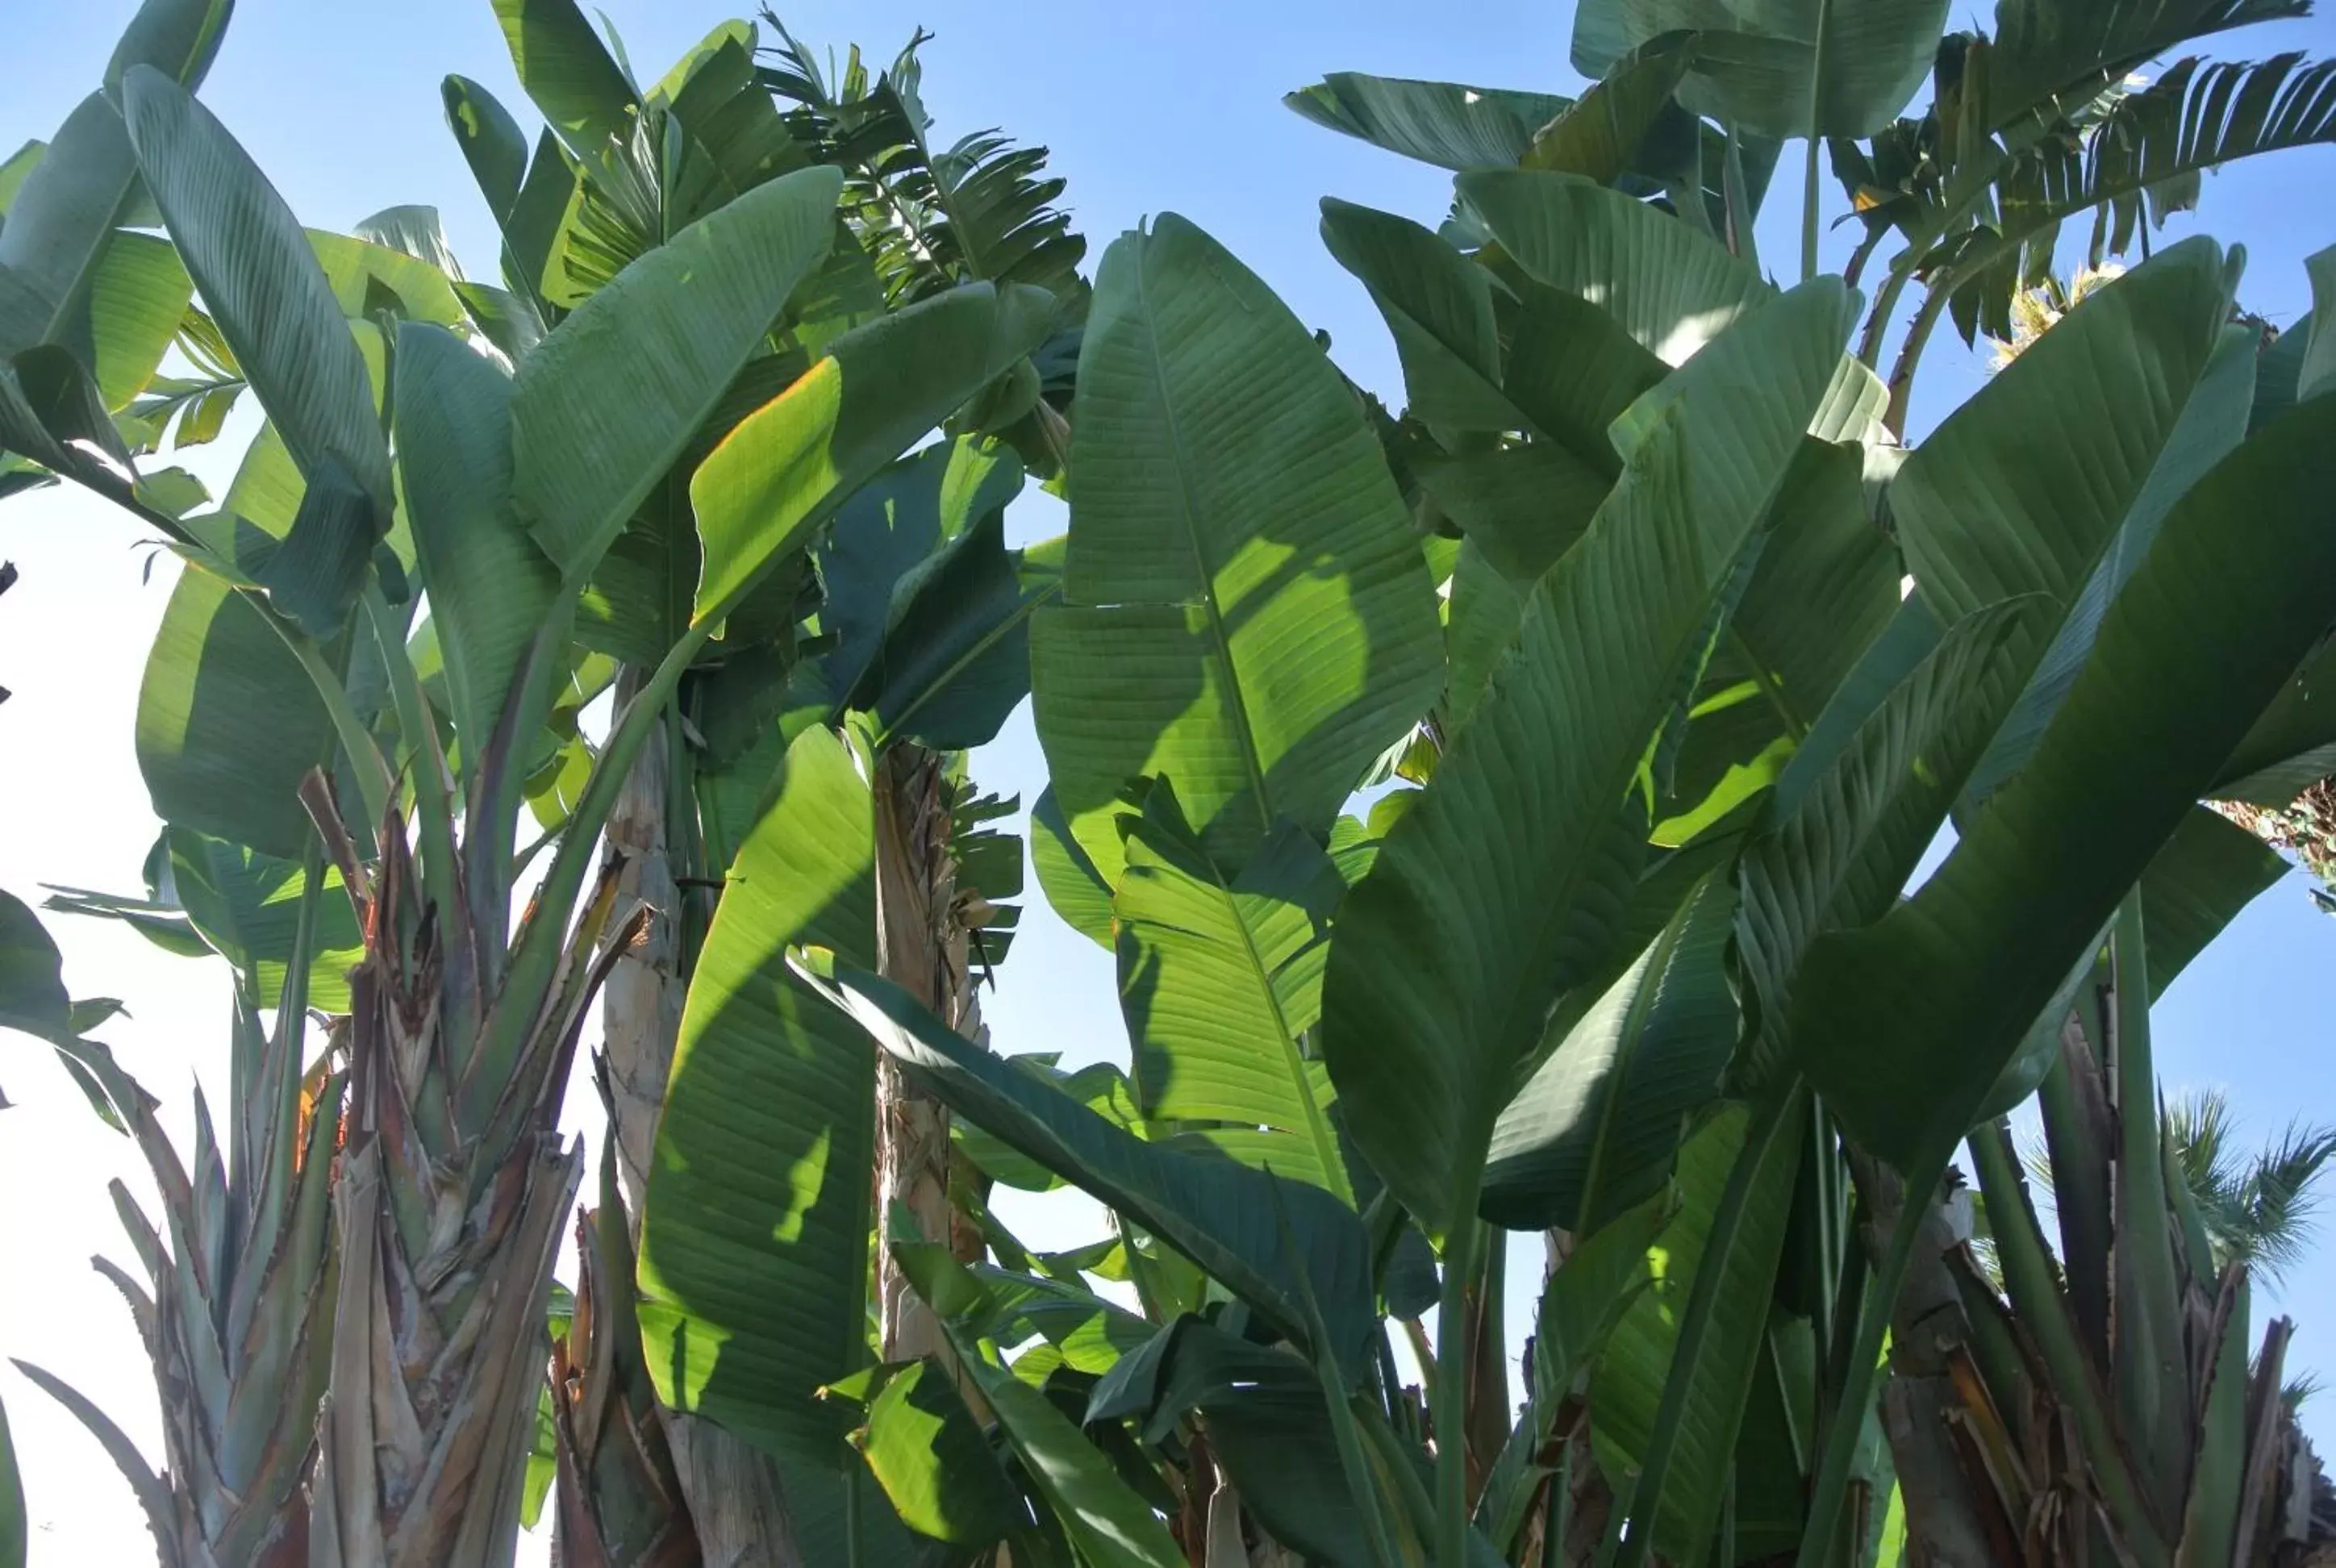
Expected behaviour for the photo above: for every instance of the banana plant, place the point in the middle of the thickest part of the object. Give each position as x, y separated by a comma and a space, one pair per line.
405, 453
2194, 1454
1518, 977
918, 604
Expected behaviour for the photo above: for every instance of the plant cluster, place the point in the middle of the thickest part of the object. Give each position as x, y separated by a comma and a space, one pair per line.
1663, 655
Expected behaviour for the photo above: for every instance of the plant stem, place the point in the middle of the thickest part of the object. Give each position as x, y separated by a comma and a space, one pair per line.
1450, 1395
2029, 1280
539, 939
1809, 212
1822, 1530
1780, 1110
432, 804
1877, 320
374, 784
1910, 354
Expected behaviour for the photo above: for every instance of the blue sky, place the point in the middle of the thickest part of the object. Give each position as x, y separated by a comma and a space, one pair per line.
1146, 109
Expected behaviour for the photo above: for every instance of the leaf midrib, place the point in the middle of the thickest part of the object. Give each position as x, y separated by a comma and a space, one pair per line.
1189, 507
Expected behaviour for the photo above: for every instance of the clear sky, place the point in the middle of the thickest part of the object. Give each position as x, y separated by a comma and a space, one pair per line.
1172, 107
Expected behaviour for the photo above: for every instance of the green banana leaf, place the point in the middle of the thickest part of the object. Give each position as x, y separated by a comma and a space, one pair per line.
1257, 627
1450, 951
2240, 584
1594, 1130
1639, 1371
1226, 1218
1109, 1525
606, 404
1220, 980
754, 1227
930, 1456
1440, 123
1781, 68
791, 465
1672, 289
491, 589
562, 62
64, 240
268, 292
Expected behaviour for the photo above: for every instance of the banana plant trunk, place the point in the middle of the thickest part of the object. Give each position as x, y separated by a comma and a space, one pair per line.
920, 946
453, 1190
1930, 1361
730, 1490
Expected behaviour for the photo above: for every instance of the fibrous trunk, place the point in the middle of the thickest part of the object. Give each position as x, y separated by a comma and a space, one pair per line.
730, 1491
453, 1192
920, 946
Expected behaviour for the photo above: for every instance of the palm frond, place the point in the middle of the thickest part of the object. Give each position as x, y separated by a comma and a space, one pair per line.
2257, 1208
2052, 57
2149, 147
981, 208
2279, 1196
198, 405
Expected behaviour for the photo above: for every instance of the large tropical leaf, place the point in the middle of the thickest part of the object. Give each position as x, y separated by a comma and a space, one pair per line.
1598, 136
1246, 610
2103, 392
1452, 949
754, 1228
1233, 1222
1439, 122
567, 70
1904, 1026
491, 589
1221, 980
64, 218
32, 996
1864, 797
228, 721
930, 1456
1074, 888
788, 466
1268, 1426
215, 897
954, 657
1672, 289
607, 402
899, 519
1112, 1525
1593, 1131
266, 289
1735, 1192
1826, 585
2213, 420
490, 140
2209, 870
1438, 305
1778, 67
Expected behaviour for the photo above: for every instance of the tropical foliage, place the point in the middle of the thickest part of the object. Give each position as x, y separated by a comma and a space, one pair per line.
1499, 814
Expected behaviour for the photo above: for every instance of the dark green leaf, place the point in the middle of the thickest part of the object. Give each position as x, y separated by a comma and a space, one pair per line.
754, 1229
1439, 122
491, 589
1221, 1215
2240, 584
264, 287
1593, 1131
1261, 626
607, 402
